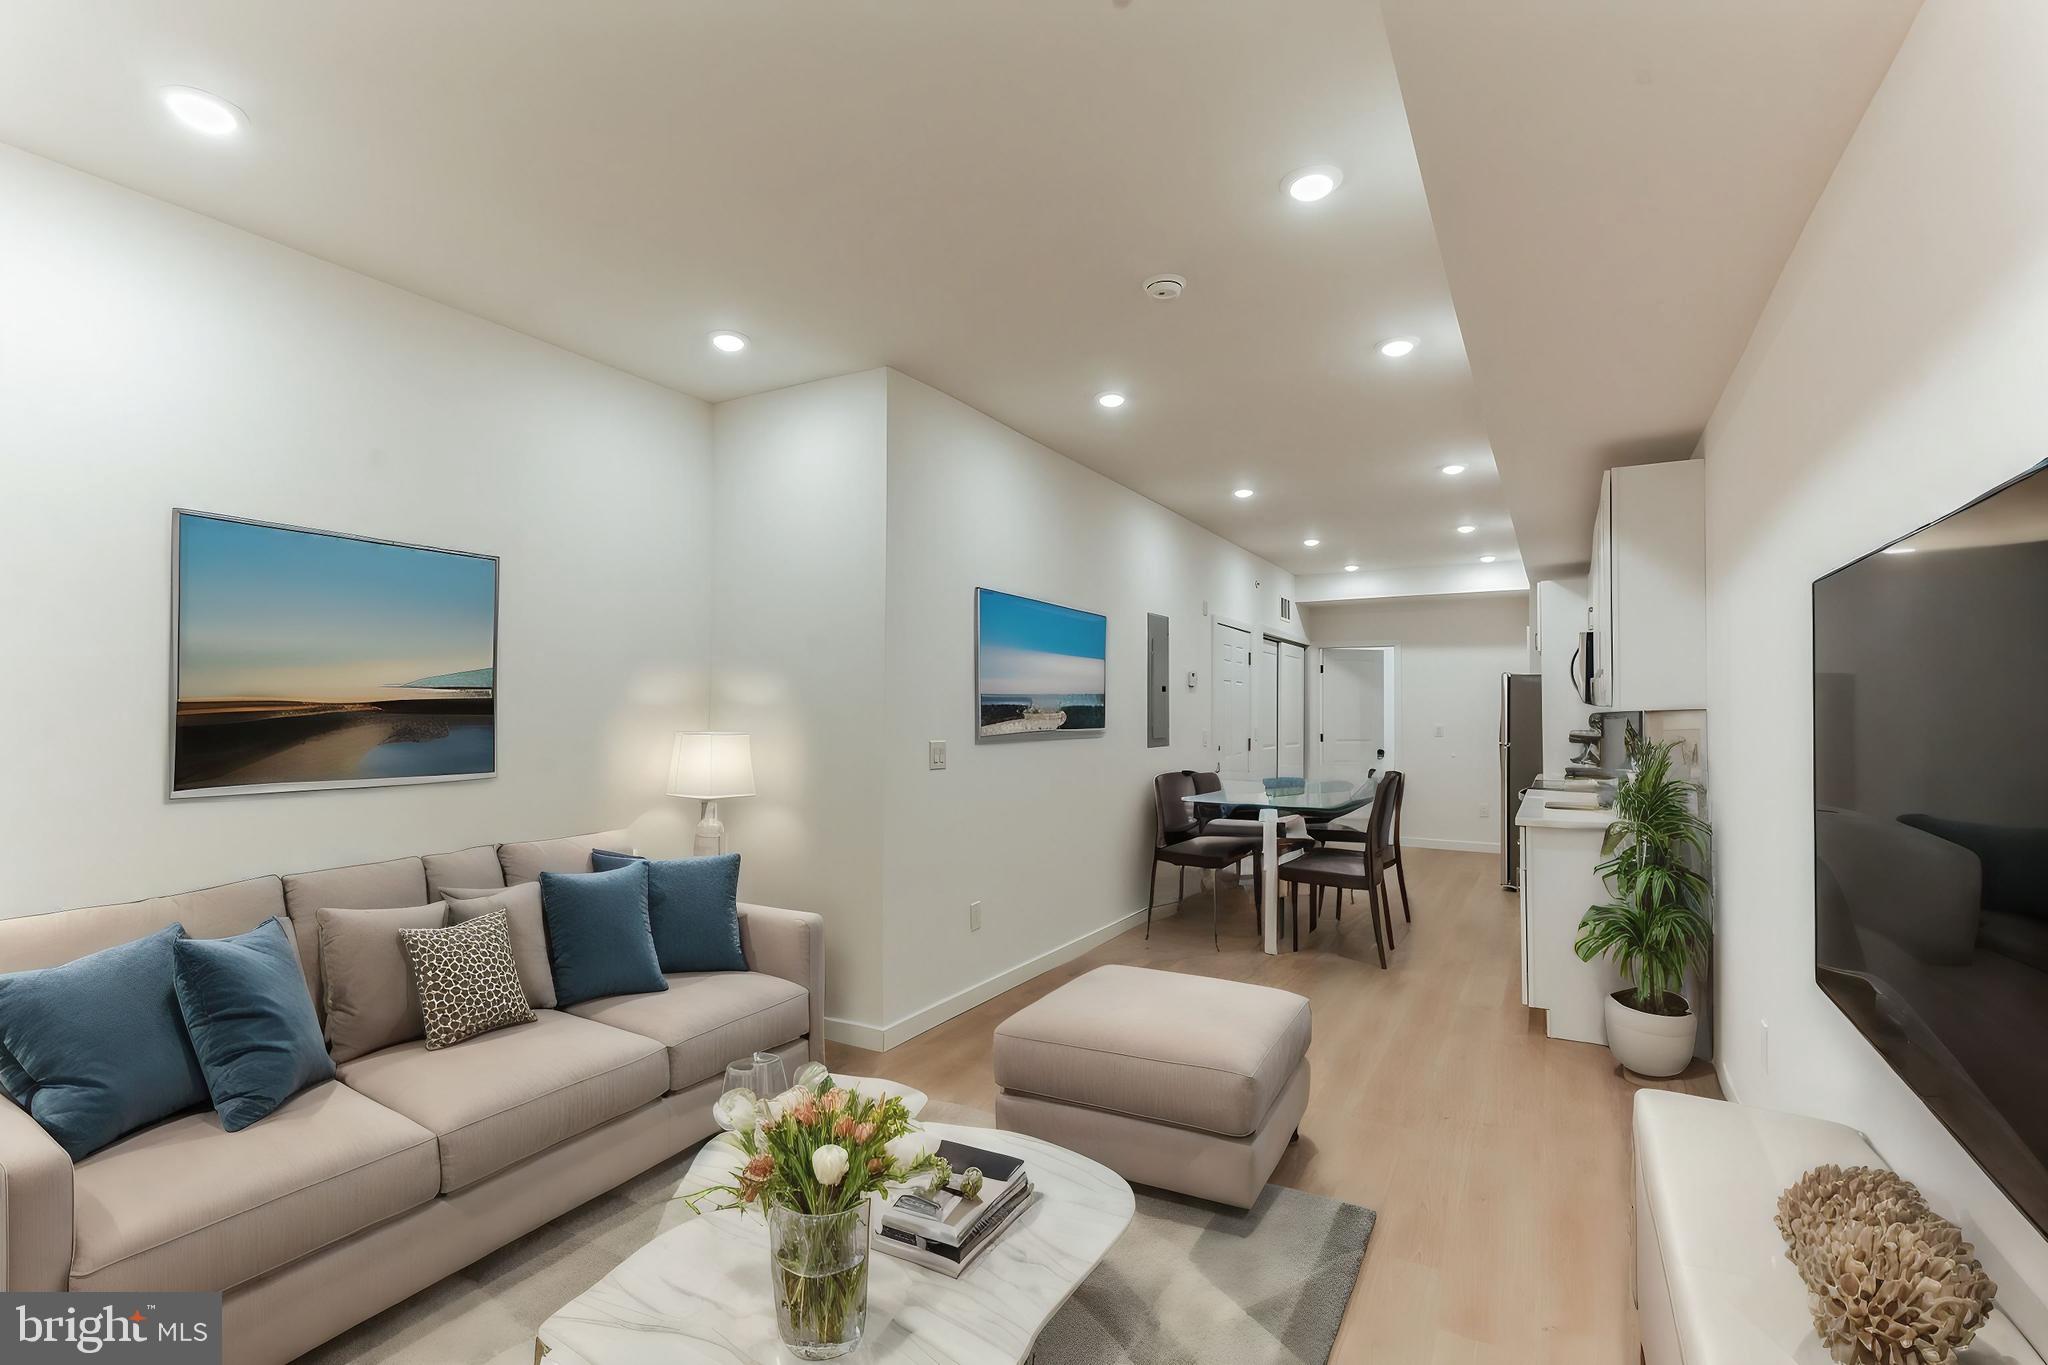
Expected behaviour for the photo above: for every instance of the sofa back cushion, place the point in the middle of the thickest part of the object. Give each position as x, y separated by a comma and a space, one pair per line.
51, 940
249, 1021
599, 939
365, 886
693, 904
521, 905
366, 986
525, 862
96, 1048
470, 867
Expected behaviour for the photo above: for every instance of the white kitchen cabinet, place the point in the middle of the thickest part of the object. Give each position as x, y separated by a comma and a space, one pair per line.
1649, 588
1560, 852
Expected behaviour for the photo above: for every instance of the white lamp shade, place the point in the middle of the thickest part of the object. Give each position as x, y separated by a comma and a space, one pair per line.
711, 766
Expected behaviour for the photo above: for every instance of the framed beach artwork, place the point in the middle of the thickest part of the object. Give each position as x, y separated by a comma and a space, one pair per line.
1039, 669
310, 659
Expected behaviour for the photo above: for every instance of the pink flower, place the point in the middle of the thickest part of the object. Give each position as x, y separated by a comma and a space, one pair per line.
804, 1111
863, 1132
833, 1101
844, 1127
761, 1167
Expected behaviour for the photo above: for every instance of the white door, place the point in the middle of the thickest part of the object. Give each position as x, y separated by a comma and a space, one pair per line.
1354, 714
1231, 706
1293, 721
1266, 711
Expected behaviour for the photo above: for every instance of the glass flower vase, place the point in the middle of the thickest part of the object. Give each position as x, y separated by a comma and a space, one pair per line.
819, 1265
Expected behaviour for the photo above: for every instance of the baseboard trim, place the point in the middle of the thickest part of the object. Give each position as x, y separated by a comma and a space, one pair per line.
855, 1033
1453, 845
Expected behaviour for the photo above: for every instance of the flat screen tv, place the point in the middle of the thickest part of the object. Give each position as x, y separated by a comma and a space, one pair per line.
309, 659
1039, 669
1930, 741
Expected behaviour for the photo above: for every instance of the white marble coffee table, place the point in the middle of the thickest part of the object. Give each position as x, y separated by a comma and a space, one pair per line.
699, 1292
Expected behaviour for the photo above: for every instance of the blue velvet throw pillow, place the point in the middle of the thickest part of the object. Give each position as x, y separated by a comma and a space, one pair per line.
693, 905
96, 1047
251, 1021
599, 940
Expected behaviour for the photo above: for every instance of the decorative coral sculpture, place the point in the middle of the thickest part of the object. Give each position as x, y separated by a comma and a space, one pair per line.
1890, 1281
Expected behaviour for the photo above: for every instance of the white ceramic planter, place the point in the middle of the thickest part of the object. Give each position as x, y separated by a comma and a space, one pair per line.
1649, 1044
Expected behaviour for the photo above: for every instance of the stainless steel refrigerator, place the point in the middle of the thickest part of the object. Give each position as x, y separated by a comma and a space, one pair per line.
1521, 759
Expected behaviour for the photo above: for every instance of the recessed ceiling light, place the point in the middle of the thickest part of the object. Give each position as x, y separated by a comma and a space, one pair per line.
1454, 470
1393, 348
1311, 543
201, 112
729, 342
1900, 549
1466, 530
1110, 400
1312, 183
1488, 559
1350, 568
1240, 492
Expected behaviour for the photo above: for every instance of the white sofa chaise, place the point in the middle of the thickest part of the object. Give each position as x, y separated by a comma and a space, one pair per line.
1713, 1284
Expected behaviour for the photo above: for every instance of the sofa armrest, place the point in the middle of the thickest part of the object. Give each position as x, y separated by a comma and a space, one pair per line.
789, 944
35, 1205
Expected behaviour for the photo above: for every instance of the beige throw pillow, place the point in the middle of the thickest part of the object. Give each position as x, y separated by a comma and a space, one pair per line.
466, 978
363, 976
521, 905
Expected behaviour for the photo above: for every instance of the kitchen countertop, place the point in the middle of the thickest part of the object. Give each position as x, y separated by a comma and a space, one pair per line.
1535, 812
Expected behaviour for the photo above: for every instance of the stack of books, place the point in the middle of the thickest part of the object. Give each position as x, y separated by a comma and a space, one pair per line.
947, 1231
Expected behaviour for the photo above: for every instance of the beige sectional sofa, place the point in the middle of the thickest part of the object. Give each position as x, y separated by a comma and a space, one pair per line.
410, 1164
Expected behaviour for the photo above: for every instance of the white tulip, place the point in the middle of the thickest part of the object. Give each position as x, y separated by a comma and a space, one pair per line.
914, 1146
781, 1102
737, 1111
809, 1074
829, 1164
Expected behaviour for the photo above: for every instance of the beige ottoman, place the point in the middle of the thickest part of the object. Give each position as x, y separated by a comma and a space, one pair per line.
1182, 1082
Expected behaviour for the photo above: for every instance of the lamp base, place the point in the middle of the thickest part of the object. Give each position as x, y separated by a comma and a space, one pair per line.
710, 832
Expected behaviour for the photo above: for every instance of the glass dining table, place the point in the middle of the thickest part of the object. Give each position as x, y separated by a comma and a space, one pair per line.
1284, 805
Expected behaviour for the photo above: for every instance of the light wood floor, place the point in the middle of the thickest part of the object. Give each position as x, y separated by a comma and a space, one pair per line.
1498, 1160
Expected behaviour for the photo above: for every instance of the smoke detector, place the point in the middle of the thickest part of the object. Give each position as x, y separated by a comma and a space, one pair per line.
1166, 286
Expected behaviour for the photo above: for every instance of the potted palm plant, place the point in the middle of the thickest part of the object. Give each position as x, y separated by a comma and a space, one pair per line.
1655, 929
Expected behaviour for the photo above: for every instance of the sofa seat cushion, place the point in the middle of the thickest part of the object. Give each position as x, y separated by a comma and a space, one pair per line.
187, 1205
1187, 1050
503, 1096
709, 1019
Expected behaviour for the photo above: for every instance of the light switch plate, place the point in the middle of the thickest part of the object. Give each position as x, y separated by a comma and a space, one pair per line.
935, 755
974, 917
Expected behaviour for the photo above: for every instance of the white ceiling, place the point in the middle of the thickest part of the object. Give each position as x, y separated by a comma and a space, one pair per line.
972, 193
1616, 187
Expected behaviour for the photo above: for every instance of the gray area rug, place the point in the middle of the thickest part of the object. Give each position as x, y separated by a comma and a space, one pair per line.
1188, 1283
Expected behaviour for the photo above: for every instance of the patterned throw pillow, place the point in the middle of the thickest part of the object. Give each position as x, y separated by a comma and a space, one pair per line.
467, 980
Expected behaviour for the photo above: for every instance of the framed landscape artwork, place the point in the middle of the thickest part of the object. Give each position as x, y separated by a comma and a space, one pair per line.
1039, 669
308, 659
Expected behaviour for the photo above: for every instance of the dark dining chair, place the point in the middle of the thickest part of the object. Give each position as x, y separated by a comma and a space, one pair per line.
1386, 817
1180, 843
1356, 865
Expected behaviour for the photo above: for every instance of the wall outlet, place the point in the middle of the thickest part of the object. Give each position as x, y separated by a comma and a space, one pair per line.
974, 917
1439, 732
935, 755
1484, 810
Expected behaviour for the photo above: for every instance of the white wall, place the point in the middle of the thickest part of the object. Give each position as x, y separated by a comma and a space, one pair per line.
151, 358
1453, 651
797, 639
1895, 375
1051, 835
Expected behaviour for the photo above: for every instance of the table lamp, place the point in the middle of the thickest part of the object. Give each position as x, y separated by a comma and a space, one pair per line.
711, 767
